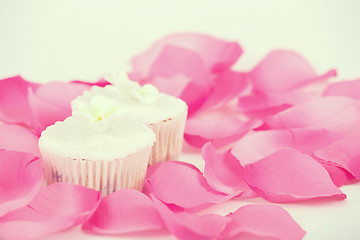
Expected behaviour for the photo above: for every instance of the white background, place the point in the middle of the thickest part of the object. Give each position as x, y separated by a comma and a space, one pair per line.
66, 40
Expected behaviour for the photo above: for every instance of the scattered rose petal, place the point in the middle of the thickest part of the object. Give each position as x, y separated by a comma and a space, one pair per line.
228, 85
289, 175
216, 54
51, 102
258, 145
188, 226
284, 70
338, 175
223, 171
100, 83
344, 153
174, 61
21, 176
267, 221
124, 211
217, 127
18, 138
56, 207
261, 105
337, 114
183, 185
349, 89
173, 86
14, 106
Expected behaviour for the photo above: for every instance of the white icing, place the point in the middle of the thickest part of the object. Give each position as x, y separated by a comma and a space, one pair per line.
98, 111
79, 139
146, 94
145, 104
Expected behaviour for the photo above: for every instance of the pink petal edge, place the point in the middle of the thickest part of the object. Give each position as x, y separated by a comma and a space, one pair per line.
21, 176
18, 138
189, 226
337, 114
57, 207
257, 145
217, 127
51, 102
14, 105
183, 185
264, 221
289, 175
344, 153
228, 85
124, 211
349, 89
223, 171
283, 70
216, 54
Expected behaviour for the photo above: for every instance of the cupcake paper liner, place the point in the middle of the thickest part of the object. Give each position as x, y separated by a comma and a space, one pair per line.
169, 139
103, 176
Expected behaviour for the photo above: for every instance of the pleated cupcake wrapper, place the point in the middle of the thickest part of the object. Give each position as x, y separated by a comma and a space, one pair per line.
103, 176
169, 139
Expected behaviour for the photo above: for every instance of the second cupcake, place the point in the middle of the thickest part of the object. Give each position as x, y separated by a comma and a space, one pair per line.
165, 114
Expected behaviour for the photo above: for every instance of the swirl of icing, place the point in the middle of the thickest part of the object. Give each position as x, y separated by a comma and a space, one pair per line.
146, 94
98, 112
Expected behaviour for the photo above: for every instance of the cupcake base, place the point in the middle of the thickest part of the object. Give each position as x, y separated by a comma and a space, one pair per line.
169, 139
103, 176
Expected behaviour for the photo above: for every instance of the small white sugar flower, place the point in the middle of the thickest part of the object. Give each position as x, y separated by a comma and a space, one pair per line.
98, 111
146, 94
121, 81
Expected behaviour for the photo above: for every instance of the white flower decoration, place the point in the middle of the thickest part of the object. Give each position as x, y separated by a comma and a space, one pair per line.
146, 94
98, 112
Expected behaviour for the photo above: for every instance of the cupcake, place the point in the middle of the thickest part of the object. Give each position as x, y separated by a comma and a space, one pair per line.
164, 114
99, 147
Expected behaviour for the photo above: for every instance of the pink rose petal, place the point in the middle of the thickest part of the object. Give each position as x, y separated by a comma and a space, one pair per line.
258, 145
223, 171
266, 221
51, 102
217, 127
56, 207
261, 105
228, 85
14, 106
100, 83
183, 185
289, 175
174, 86
19, 139
283, 70
174, 61
188, 226
349, 89
338, 175
124, 211
216, 54
344, 153
337, 114
21, 177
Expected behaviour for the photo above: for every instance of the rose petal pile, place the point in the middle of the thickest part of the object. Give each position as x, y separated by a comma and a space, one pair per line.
263, 133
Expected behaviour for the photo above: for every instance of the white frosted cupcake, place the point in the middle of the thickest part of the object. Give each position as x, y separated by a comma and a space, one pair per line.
91, 148
165, 114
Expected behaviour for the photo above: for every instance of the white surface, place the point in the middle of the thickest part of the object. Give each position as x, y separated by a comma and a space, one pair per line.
65, 40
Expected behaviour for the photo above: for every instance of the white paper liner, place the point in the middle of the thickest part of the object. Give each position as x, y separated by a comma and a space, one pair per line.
169, 139
103, 176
